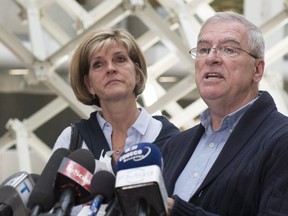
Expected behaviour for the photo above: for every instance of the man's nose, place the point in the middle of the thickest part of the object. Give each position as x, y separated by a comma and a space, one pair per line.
214, 51
213, 57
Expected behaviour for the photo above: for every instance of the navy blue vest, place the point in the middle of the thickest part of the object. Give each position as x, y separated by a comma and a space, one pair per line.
94, 137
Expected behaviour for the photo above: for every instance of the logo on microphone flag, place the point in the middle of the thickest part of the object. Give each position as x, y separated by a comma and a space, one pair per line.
76, 172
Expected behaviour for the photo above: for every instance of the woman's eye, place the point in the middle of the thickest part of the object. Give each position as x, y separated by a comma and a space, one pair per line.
97, 64
120, 59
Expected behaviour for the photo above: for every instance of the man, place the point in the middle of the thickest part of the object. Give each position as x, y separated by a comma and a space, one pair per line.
234, 162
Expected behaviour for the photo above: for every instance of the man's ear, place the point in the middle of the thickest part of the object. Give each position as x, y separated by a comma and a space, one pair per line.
259, 69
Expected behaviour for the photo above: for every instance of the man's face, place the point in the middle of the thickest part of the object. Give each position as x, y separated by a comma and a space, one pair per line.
228, 79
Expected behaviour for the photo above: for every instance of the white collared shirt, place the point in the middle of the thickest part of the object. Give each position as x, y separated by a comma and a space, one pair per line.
144, 129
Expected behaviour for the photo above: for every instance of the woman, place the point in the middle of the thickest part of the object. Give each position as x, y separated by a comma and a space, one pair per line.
109, 70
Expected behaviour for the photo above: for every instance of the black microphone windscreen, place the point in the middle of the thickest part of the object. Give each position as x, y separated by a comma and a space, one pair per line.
43, 192
103, 183
85, 158
35, 177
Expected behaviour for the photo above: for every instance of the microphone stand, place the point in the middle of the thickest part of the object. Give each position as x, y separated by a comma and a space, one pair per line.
113, 208
142, 208
36, 210
65, 204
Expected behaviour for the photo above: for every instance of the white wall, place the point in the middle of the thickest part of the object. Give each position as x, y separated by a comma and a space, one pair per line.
9, 164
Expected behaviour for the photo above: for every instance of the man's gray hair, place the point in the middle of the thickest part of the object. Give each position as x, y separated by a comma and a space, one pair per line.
255, 37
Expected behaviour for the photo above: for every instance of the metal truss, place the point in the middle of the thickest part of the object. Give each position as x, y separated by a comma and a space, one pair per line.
169, 25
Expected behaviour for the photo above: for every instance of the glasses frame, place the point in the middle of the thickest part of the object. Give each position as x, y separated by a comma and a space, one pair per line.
193, 52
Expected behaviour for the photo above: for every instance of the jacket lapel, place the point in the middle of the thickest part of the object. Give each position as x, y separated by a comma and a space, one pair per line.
237, 141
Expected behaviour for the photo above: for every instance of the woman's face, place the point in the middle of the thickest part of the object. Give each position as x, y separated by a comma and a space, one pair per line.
112, 75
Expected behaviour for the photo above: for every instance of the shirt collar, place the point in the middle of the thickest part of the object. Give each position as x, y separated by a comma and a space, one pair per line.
141, 124
229, 121
102, 122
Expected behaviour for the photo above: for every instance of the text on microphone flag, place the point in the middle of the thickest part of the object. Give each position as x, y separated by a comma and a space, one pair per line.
76, 172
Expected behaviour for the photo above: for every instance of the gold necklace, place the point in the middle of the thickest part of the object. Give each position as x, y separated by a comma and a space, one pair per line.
117, 151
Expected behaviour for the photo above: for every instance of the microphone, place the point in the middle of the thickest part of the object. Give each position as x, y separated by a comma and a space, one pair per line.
139, 177
35, 178
102, 189
14, 194
72, 184
42, 197
113, 208
11, 202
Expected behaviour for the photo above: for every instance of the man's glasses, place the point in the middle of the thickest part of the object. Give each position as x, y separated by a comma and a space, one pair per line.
227, 51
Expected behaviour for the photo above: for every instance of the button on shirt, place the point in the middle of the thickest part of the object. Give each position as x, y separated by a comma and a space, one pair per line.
206, 152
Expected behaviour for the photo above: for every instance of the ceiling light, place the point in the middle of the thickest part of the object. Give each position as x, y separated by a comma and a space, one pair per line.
168, 79
18, 72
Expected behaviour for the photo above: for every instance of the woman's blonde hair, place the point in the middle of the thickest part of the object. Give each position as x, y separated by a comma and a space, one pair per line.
99, 40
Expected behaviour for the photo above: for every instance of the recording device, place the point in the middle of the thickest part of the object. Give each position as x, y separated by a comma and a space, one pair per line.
14, 194
102, 190
72, 184
42, 197
139, 179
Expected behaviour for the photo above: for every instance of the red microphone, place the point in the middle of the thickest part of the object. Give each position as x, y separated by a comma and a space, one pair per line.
80, 176
72, 184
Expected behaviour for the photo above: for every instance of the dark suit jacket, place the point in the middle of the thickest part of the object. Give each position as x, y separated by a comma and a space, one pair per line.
249, 177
